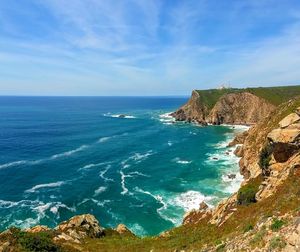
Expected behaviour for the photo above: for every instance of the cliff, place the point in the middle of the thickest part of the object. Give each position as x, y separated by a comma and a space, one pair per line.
233, 106
262, 216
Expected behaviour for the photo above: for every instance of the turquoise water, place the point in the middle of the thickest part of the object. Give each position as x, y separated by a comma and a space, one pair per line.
63, 156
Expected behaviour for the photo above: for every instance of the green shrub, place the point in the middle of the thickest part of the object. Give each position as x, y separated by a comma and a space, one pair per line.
37, 242
264, 159
246, 194
248, 228
277, 242
277, 224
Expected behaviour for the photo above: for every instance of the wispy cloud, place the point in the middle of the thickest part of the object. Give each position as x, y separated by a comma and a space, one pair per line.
158, 47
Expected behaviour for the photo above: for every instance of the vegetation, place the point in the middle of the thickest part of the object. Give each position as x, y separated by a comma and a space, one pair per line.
248, 228
277, 224
277, 243
274, 95
246, 194
265, 158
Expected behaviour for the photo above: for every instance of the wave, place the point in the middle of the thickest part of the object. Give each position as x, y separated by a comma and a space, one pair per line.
100, 190
49, 185
102, 173
139, 174
191, 200
88, 166
122, 116
123, 185
53, 157
166, 118
179, 161
160, 210
69, 153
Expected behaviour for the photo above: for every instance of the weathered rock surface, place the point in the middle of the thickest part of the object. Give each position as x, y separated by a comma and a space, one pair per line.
193, 111
79, 227
122, 229
239, 108
232, 108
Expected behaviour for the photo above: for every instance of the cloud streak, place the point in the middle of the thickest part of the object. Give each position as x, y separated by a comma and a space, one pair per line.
60, 47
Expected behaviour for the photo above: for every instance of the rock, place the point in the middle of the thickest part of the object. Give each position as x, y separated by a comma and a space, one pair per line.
37, 229
288, 120
215, 158
239, 151
231, 108
4, 247
231, 176
284, 135
79, 227
239, 108
122, 116
203, 206
122, 229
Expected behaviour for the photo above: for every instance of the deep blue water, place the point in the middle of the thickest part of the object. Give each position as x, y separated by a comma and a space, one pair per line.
61, 156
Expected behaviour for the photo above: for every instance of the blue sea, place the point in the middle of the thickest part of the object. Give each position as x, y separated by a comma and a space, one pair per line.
63, 156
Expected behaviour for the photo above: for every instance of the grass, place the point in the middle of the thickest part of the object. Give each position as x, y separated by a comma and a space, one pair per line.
277, 243
277, 224
274, 95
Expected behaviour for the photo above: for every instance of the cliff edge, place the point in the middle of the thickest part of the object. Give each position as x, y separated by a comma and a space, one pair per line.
233, 106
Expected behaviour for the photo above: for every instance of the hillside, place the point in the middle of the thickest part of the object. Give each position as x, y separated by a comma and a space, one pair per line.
233, 106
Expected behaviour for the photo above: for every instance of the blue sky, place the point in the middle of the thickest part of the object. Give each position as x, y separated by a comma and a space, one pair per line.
146, 47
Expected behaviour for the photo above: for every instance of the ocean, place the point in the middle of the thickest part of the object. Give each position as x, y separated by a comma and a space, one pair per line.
63, 156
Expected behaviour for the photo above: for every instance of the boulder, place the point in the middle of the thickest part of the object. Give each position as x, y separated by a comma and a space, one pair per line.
288, 120
122, 229
284, 135
79, 227
203, 206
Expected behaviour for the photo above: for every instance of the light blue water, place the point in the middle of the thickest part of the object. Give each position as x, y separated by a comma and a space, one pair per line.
70, 155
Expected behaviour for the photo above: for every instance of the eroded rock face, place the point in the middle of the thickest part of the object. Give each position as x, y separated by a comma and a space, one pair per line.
239, 108
193, 110
79, 227
232, 108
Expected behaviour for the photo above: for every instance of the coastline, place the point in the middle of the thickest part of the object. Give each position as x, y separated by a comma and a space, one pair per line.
233, 177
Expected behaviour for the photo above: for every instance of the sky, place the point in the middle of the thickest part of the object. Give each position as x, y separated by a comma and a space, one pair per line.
146, 47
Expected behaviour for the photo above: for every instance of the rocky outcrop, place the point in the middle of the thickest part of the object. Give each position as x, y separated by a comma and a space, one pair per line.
193, 111
78, 228
123, 230
231, 108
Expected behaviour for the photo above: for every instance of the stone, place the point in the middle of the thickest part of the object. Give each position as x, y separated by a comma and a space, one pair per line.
203, 206
81, 226
37, 229
288, 120
231, 176
284, 135
122, 229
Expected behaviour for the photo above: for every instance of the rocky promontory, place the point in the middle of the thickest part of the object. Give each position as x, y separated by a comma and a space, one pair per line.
232, 106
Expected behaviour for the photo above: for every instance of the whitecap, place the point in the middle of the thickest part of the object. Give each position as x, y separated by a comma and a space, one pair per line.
166, 118
49, 185
69, 153
102, 173
190, 200
139, 174
104, 139
179, 161
100, 190
124, 188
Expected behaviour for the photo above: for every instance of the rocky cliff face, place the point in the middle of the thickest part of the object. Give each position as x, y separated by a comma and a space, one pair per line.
231, 108
193, 111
